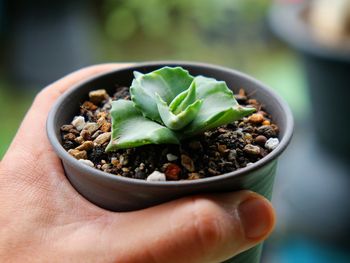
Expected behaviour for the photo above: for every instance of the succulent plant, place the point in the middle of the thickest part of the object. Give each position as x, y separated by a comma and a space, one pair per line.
168, 105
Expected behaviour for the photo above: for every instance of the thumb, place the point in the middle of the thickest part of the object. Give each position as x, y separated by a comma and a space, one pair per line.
206, 228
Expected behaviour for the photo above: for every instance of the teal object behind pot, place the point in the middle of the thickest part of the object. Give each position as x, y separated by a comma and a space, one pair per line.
118, 193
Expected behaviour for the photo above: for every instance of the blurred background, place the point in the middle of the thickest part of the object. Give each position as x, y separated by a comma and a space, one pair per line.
41, 41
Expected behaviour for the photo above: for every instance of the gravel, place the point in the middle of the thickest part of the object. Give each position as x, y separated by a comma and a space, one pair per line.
222, 150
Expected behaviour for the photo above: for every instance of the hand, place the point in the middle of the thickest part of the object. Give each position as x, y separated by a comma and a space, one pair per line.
44, 219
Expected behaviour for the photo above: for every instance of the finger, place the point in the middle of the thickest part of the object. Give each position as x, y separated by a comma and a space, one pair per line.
32, 131
209, 228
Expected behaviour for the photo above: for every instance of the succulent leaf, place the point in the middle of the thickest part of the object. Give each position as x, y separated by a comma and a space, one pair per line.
167, 82
219, 106
131, 129
184, 99
177, 122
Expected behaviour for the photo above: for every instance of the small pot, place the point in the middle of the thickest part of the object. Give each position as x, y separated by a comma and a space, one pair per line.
327, 71
118, 193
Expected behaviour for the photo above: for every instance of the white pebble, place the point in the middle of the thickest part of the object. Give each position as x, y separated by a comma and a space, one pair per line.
156, 177
171, 157
78, 122
272, 143
87, 162
91, 127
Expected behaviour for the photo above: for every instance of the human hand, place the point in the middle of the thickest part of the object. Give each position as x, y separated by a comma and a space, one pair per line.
43, 219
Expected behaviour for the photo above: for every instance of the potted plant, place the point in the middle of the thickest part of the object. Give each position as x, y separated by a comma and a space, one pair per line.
168, 115
325, 54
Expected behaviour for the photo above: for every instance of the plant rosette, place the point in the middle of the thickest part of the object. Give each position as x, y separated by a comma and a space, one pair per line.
168, 104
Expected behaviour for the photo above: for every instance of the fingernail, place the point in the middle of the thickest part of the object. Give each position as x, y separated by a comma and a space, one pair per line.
256, 217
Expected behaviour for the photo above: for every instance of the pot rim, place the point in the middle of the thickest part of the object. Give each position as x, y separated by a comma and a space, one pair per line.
287, 23
66, 157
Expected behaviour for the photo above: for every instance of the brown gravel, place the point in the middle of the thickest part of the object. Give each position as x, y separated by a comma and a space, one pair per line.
222, 150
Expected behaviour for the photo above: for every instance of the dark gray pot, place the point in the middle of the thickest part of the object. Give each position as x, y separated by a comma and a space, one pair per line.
327, 73
124, 194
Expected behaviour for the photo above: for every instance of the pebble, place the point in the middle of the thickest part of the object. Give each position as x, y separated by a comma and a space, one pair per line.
69, 137
171, 157
267, 131
96, 134
102, 138
87, 162
89, 105
187, 162
87, 145
252, 149
66, 127
142, 166
222, 148
105, 167
123, 160
74, 131
172, 172
222, 130
97, 96
86, 135
256, 118
108, 105
260, 139
194, 176
78, 154
232, 155
101, 114
68, 145
115, 162
272, 143
248, 138
213, 172
91, 127
79, 139
78, 122
156, 177
101, 120
105, 127
125, 170
266, 122
275, 127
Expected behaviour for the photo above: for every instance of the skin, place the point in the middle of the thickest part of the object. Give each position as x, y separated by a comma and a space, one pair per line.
43, 219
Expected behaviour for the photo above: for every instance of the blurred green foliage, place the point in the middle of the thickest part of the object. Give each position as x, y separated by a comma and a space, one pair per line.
11, 116
165, 19
181, 29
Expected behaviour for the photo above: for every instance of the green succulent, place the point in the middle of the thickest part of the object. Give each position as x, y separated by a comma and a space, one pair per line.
168, 105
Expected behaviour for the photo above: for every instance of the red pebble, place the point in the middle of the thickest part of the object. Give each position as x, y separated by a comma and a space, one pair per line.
172, 172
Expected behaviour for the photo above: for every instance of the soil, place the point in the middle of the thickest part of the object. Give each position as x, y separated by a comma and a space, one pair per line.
222, 150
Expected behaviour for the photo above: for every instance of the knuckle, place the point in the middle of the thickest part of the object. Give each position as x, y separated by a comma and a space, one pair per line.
207, 225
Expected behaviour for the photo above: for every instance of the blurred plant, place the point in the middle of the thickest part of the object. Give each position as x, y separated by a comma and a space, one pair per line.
158, 18
168, 105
